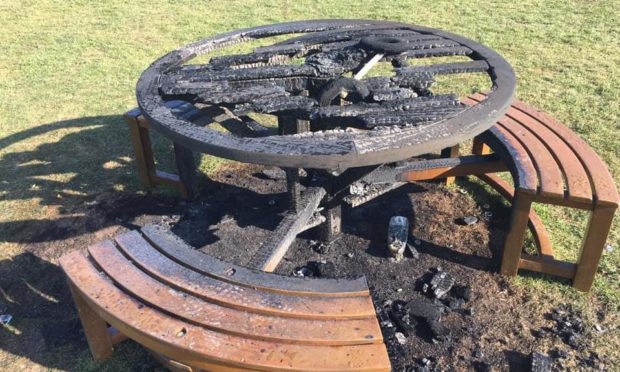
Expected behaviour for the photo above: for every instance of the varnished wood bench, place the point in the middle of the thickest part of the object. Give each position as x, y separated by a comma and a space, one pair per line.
549, 164
203, 313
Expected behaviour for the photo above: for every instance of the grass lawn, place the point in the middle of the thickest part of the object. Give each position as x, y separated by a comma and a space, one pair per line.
68, 72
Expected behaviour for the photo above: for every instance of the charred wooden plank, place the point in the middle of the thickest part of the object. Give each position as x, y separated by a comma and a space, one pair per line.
417, 104
438, 52
271, 252
254, 73
445, 68
419, 81
416, 117
346, 34
336, 62
239, 60
373, 191
284, 104
391, 94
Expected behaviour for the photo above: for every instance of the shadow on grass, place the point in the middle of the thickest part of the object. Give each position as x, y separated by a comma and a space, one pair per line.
45, 327
67, 177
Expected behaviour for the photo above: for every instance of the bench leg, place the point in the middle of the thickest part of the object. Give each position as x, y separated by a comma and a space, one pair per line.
450, 152
480, 148
141, 143
521, 206
95, 328
592, 247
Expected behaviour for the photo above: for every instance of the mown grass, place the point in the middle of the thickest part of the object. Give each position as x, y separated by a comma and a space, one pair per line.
68, 70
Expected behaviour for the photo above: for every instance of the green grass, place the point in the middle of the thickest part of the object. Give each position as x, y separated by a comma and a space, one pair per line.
68, 70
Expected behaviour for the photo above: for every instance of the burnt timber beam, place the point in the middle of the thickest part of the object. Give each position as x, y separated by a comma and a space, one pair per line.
271, 252
437, 168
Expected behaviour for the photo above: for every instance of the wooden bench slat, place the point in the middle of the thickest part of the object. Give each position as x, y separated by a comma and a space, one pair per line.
577, 182
501, 140
227, 320
602, 181
248, 299
199, 347
549, 175
178, 250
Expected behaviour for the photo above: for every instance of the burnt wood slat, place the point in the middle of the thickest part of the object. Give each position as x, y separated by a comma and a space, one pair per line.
445, 68
244, 298
502, 141
549, 174
175, 248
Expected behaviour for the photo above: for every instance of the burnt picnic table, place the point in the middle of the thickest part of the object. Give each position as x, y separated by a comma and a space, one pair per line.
343, 137
353, 135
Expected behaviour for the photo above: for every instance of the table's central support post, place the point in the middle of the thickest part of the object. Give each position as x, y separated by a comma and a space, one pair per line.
292, 125
332, 212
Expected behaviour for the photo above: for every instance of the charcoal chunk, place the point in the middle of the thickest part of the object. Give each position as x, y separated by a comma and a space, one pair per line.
323, 269
462, 292
401, 317
425, 310
541, 362
438, 331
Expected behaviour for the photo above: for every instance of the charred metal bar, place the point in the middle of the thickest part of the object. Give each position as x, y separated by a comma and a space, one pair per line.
273, 250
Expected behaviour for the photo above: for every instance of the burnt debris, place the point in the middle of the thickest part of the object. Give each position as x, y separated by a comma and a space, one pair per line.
421, 316
541, 362
298, 75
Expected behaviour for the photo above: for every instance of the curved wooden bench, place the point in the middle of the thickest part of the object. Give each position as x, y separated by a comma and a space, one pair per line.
550, 164
203, 313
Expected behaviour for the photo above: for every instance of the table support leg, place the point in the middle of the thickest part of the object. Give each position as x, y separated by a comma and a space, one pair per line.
187, 169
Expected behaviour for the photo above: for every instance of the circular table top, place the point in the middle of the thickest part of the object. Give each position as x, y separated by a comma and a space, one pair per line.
322, 77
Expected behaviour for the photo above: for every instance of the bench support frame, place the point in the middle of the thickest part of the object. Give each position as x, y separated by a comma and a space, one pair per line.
523, 216
150, 177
